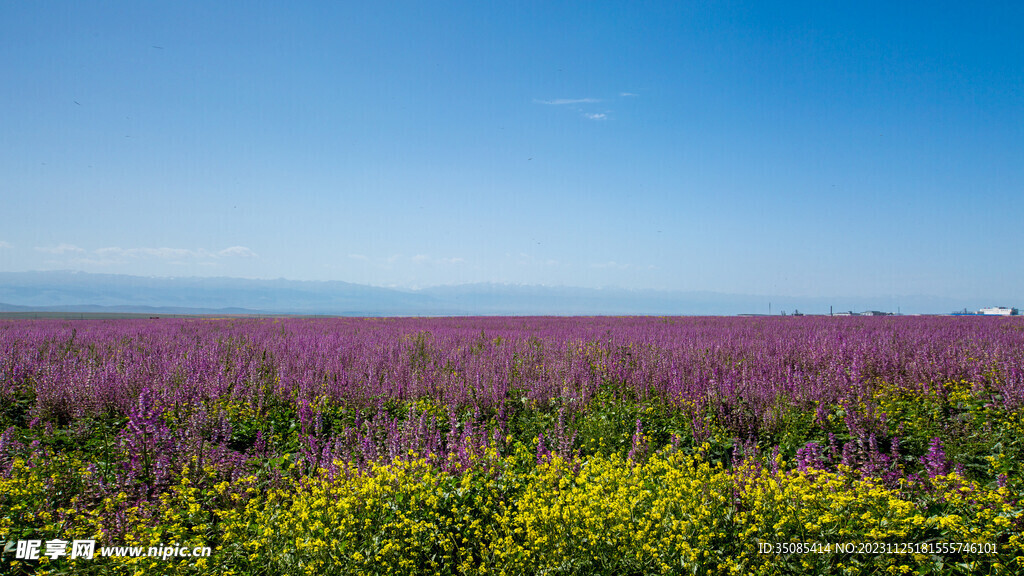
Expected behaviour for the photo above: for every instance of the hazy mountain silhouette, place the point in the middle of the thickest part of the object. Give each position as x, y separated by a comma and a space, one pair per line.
86, 292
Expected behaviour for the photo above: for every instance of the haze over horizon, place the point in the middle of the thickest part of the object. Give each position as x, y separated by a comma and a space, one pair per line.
81, 292
865, 150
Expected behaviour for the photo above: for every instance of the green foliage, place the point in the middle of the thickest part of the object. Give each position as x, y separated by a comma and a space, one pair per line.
15, 405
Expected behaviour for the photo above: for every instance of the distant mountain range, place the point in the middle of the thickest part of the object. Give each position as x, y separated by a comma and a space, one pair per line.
111, 293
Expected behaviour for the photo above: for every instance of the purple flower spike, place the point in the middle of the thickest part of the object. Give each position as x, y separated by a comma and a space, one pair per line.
935, 462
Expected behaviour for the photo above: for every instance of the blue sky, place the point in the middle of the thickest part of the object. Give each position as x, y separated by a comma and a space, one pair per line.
800, 148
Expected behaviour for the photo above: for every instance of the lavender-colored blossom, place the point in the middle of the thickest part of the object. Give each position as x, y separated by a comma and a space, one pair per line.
230, 396
638, 448
935, 462
809, 457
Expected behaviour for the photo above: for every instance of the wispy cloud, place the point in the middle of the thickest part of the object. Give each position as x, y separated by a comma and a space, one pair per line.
581, 105
237, 252
176, 253
361, 257
61, 249
5, 245
566, 101
161, 253
116, 255
428, 259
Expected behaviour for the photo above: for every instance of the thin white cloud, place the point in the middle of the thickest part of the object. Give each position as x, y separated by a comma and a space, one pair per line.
432, 261
362, 257
565, 101
5, 245
596, 116
237, 251
627, 94
164, 253
61, 249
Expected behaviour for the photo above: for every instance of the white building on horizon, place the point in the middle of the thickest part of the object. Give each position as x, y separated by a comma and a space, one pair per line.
998, 311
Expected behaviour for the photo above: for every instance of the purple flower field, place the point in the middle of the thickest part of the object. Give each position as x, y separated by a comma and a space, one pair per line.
139, 405
742, 370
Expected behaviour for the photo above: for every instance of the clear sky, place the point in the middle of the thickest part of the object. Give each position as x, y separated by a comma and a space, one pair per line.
795, 148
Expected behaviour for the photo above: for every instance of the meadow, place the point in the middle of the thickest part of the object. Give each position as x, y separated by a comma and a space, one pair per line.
516, 446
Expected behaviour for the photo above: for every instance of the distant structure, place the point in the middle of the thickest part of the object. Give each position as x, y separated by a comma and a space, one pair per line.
999, 311
991, 311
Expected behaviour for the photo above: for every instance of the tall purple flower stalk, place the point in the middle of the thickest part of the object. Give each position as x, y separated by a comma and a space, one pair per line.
935, 462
